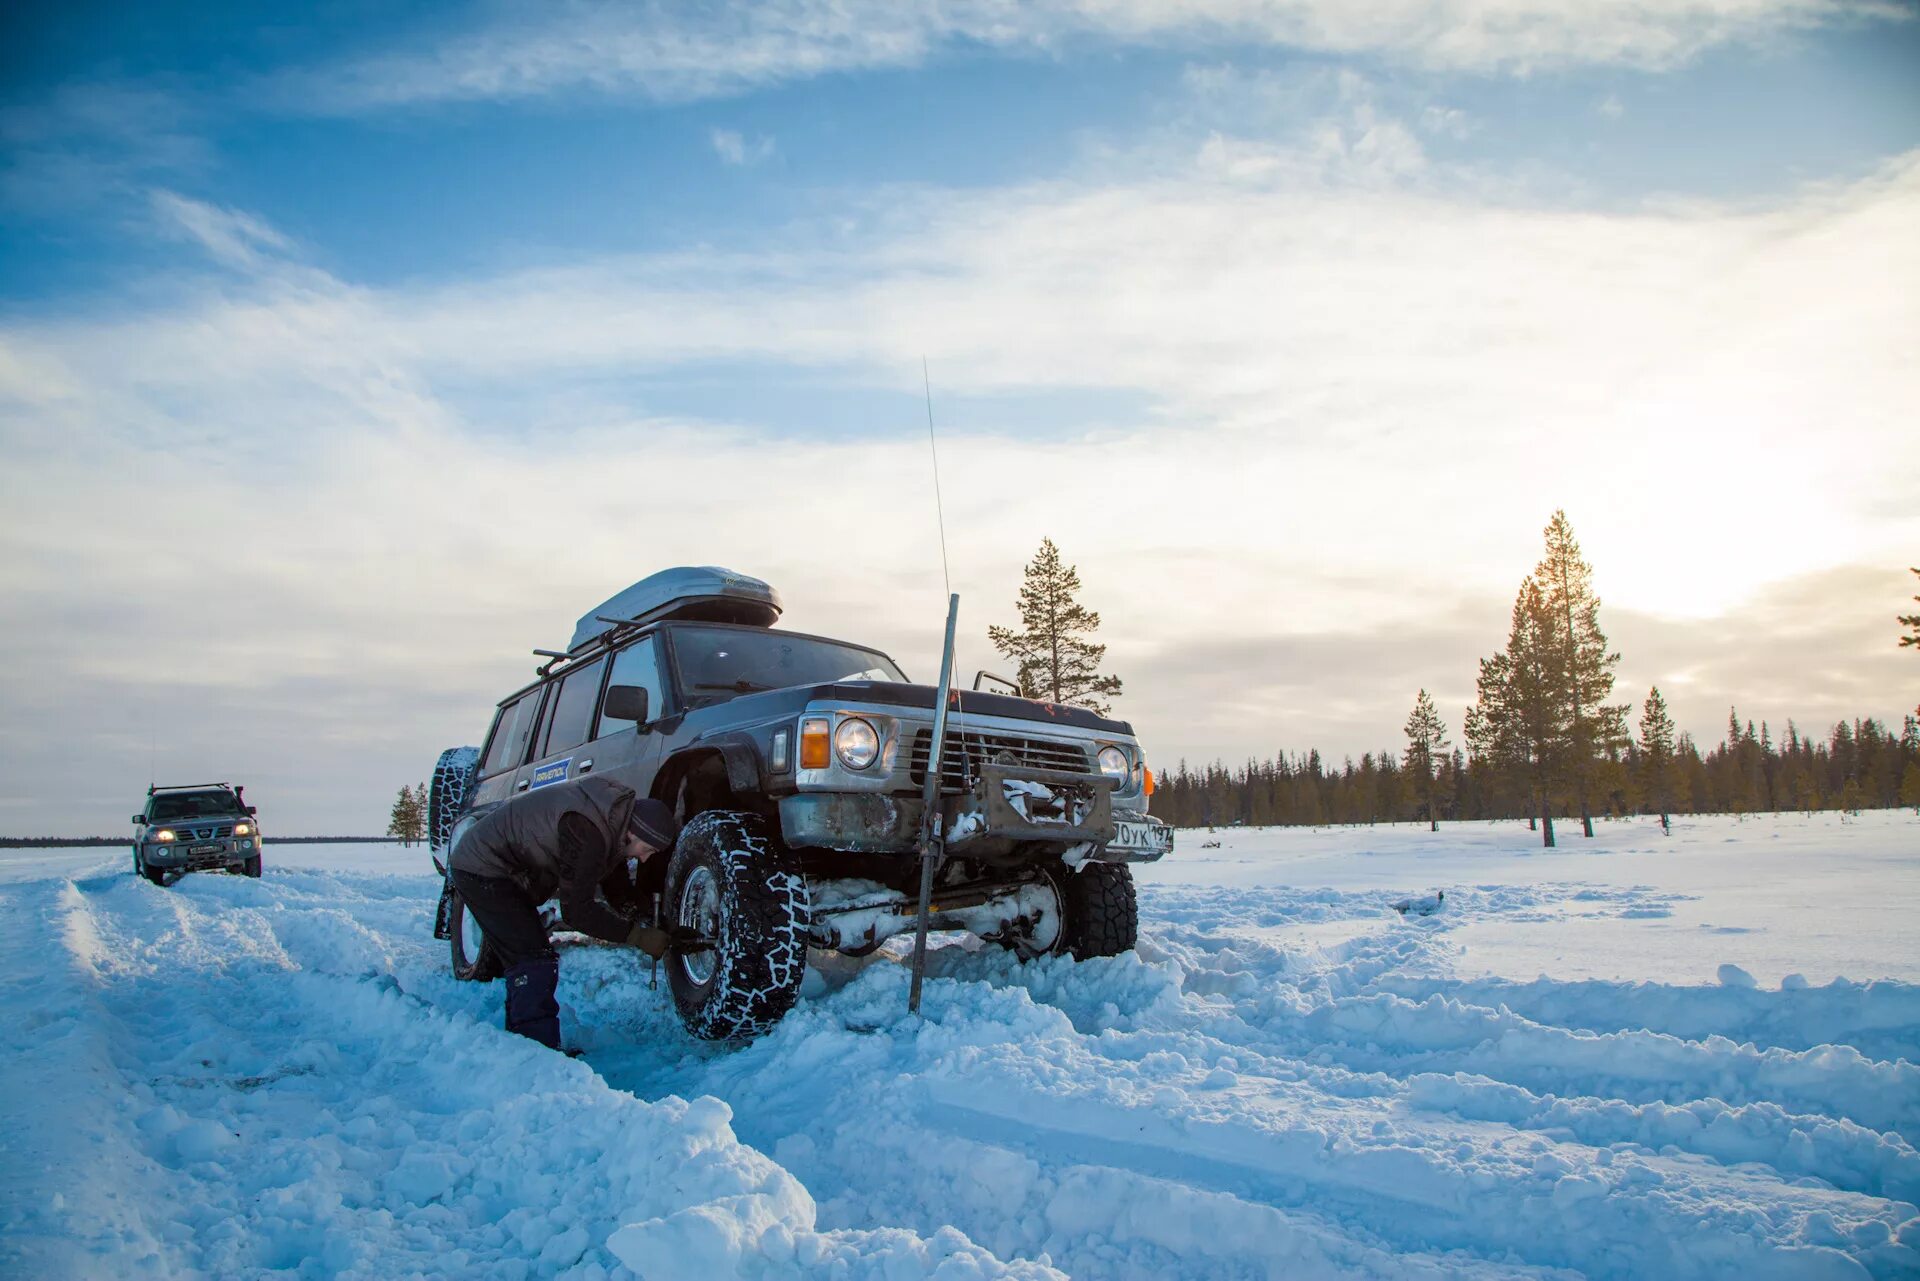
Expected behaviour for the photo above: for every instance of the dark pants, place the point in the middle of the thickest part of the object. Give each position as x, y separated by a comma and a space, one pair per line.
511, 922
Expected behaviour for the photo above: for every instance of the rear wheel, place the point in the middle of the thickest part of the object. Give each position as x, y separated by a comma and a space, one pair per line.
1100, 915
731, 883
474, 960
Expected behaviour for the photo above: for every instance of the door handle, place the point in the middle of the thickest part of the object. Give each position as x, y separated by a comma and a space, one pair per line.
586, 766
521, 786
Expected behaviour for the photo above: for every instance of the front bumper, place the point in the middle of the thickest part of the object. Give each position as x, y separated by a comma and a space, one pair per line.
1007, 809
196, 856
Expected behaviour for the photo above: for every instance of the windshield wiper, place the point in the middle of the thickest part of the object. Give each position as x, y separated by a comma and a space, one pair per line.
741, 686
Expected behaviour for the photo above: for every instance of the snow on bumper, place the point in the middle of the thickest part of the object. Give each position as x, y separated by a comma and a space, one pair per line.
998, 815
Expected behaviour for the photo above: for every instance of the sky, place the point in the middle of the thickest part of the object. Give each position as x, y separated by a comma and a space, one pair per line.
347, 355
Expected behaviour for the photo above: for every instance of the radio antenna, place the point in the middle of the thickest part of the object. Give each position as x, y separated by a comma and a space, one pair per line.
939, 508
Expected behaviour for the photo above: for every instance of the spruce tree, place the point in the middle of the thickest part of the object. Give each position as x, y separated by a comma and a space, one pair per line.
398, 821
1056, 664
1913, 621
1656, 749
1585, 666
1522, 720
1426, 746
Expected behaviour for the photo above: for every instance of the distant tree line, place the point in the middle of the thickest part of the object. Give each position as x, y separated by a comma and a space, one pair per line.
1857, 765
1544, 741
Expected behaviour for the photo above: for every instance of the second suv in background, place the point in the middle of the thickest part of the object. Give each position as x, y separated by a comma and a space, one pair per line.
195, 827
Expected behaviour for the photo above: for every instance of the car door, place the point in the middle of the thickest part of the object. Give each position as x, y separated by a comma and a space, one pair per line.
627, 750
506, 749
565, 727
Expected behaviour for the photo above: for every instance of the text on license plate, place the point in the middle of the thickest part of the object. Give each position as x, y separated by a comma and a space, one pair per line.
1136, 836
204, 849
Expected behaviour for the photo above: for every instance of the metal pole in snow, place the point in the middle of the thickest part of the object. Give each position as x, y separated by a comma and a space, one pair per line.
932, 836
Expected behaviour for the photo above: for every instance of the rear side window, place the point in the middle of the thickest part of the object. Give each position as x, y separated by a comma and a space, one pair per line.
510, 734
637, 664
573, 709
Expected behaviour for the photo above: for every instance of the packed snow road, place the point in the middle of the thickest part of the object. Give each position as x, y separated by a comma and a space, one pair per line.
278, 1077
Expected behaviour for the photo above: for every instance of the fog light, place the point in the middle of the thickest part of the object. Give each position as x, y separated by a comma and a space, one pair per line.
856, 743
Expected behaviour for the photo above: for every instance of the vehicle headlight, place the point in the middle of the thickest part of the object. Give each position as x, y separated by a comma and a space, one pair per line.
1114, 763
241, 829
163, 835
856, 743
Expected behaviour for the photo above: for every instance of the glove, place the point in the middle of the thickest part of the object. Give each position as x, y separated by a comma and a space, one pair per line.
650, 940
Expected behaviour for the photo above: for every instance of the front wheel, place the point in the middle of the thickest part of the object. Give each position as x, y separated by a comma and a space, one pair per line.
155, 874
731, 883
251, 867
1100, 916
474, 960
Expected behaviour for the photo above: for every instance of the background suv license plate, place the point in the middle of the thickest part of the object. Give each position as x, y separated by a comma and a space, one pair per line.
203, 849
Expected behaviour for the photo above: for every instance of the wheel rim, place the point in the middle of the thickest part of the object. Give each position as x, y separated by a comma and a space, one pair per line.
472, 937
700, 912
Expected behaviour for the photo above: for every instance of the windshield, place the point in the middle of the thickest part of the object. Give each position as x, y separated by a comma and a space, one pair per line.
716, 663
178, 805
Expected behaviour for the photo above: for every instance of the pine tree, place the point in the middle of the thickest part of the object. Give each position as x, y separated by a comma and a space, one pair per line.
1426, 745
399, 820
1911, 620
1522, 719
408, 821
1585, 666
1056, 664
1656, 749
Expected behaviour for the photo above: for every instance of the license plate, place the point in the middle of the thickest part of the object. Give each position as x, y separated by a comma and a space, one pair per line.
1145, 837
203, 849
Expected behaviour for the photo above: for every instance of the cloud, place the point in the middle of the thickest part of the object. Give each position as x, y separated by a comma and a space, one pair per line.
671, 52
284, 522
231, 237
735, 149
91, 141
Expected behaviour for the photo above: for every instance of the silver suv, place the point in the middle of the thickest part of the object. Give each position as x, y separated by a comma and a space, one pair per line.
195, 827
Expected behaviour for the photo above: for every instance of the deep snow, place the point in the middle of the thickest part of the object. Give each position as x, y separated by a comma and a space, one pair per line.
1585, 1064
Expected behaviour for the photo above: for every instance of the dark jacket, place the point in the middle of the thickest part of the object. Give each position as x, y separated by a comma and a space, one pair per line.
557, 842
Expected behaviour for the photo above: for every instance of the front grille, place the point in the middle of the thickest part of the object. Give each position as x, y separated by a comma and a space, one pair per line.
968, 750
202, 832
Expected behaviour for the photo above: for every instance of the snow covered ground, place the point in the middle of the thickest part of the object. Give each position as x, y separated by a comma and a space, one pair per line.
1633, 1057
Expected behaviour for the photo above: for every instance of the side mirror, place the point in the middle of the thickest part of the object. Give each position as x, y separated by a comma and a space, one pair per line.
140, 820
253, 809
626, 703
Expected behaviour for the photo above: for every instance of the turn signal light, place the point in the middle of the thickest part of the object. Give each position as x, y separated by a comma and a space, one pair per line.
1149, 774
815, 750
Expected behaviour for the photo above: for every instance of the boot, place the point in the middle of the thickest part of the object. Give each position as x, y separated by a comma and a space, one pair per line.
531, 1009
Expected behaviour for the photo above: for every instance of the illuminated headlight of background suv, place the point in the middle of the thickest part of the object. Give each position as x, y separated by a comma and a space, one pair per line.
241, 829
163, 835
1114, 763
856, 743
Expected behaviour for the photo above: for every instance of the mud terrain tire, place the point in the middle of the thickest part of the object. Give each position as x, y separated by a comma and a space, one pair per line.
447, 795
1099, 914
734, 883
471, 964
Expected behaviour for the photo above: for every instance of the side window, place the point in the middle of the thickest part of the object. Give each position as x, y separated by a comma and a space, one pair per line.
637, 664
510, 733
573, 709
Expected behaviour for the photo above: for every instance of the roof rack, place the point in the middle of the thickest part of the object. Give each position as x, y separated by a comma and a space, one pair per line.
184, 787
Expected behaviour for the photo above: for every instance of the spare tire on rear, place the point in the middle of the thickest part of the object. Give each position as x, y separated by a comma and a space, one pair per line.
732, 883
447, 796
